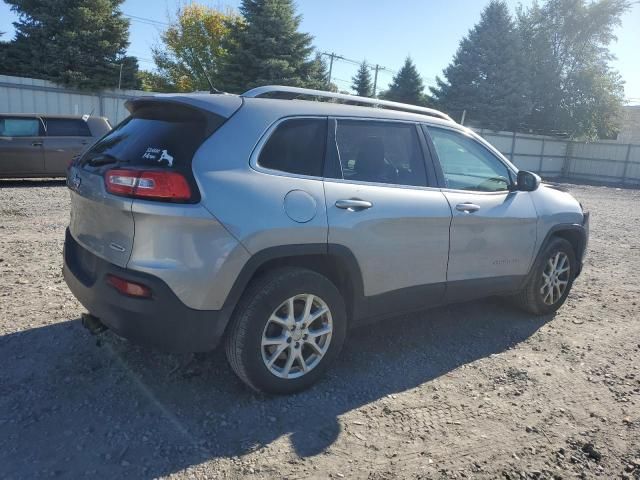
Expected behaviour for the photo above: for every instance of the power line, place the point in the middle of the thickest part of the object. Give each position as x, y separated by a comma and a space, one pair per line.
145, 20
377, 68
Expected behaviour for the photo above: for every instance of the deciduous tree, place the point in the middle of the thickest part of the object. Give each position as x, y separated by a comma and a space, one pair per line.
574, 90
192, 49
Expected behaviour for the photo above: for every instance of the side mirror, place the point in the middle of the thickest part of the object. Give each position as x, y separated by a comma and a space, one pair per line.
527, 181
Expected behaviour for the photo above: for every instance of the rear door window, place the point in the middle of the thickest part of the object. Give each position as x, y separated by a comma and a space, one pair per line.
296, 146
158, 135
19, 127
67, 127
380, 152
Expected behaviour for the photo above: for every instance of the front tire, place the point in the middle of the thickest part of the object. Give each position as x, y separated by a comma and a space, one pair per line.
288, 328
550, 280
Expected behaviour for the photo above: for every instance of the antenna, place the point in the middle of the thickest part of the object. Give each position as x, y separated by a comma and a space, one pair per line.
212, 89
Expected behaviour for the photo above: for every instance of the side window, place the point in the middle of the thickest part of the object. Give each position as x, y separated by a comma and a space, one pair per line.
468, 165
19, 127
297, 146
67, 127
382, 152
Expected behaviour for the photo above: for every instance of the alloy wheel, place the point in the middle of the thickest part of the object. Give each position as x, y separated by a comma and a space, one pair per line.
555, 277
297, 336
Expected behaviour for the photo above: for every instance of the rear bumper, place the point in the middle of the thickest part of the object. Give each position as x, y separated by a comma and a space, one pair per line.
163, 321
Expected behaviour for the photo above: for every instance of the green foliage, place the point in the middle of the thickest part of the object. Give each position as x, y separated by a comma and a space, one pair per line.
78, 43
153, 82
362, 81
268, 49
130, 77
573, 88
407, 86
487, 76
193, 49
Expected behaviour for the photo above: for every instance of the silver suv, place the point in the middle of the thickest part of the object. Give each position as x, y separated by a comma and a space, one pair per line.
273, 224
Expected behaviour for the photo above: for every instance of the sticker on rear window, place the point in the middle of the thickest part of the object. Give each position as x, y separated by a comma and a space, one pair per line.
159, 155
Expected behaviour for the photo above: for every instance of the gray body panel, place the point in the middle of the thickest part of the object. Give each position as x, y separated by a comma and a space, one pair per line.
554, 207
401, 241
189, 249
21, 156
497, 240
59, 151
100, 222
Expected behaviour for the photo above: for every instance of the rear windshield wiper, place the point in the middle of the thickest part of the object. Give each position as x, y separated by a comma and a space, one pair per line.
101, 159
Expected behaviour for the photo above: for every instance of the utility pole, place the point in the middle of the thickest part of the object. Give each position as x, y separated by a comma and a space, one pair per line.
120, 78
331, 57
375, 80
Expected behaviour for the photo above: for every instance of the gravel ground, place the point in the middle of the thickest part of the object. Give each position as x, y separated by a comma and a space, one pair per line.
477, 390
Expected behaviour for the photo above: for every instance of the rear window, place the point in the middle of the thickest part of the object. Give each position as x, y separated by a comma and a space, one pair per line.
297, 146
154, 136
67, 127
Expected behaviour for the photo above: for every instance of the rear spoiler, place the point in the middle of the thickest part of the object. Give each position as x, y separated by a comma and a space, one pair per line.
222, 105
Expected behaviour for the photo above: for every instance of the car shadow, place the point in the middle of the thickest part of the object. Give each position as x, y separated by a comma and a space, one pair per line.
70, 408
31, 182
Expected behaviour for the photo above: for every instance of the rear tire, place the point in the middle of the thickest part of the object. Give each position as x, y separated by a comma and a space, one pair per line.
550, 280
288, 328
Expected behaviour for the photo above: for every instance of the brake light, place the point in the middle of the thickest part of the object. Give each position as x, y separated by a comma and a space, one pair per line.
126, 287
151, 184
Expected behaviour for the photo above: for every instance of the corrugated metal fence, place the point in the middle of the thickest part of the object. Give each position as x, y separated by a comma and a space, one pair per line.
603, 161
30, 95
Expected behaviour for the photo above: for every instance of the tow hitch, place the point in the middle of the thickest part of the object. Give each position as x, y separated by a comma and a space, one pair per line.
93, 324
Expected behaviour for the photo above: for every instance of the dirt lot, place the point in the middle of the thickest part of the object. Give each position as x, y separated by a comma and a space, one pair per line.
469, 391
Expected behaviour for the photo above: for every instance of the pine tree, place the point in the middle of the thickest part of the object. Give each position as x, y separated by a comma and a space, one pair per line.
362, 81
268, 49
79, 43
407, 86
487, 76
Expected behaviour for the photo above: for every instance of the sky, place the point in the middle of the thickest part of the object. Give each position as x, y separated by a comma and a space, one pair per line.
379, 31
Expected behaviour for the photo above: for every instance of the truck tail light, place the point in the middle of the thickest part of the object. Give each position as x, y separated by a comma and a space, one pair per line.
148, 184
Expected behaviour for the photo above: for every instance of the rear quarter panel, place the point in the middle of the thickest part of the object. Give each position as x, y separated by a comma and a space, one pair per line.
250, 203
188, 249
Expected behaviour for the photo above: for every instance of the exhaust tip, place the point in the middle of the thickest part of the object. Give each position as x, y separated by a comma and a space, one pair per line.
93, 324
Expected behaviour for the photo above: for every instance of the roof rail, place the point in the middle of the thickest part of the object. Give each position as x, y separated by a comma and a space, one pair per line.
292, 93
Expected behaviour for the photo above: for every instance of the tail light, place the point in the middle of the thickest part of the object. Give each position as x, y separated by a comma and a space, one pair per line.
128, 288
150, 184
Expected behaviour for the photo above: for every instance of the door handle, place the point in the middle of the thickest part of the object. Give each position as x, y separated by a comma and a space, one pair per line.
467, 207
36, 144
353, 204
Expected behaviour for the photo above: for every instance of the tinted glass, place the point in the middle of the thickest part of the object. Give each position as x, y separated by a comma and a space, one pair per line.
382, 152
154, 136
19, 127
67, 127
468, 165
297, 146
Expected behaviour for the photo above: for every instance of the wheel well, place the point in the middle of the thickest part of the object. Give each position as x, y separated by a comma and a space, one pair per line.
575, 238
331, 266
